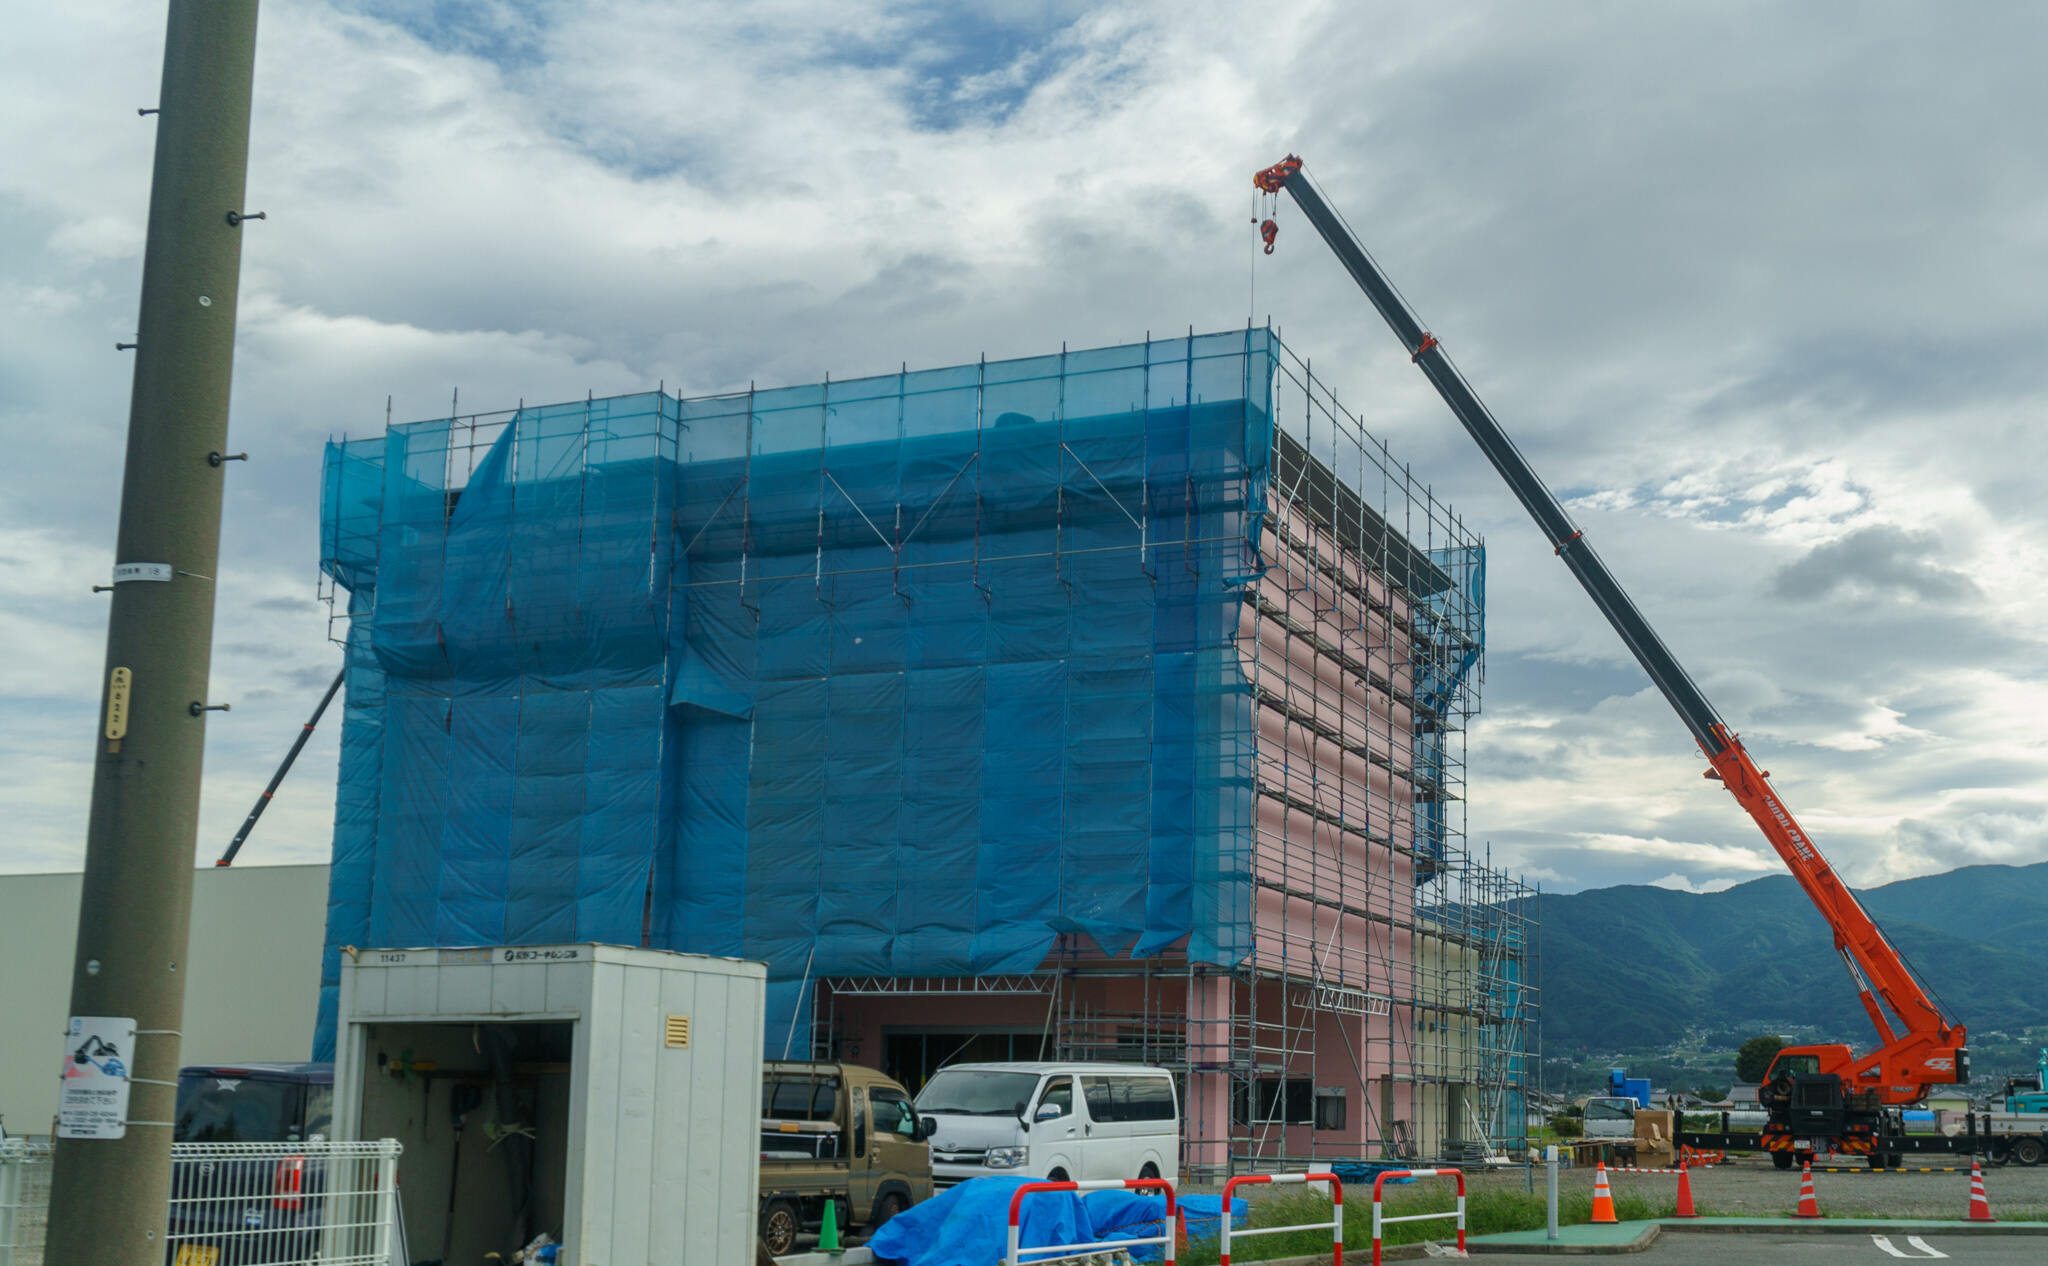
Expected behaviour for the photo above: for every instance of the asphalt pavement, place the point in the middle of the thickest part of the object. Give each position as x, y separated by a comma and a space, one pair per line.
1858, 1249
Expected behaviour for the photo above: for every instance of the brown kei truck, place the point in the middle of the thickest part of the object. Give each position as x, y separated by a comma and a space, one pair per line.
839, 1133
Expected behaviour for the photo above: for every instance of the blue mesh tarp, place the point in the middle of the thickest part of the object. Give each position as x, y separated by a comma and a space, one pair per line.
906, 675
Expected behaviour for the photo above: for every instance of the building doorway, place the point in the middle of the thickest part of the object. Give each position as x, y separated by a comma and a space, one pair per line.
911, 1056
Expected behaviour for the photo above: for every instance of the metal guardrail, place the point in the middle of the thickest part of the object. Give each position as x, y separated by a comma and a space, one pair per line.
1013, 1250
1379, 1220
1335, 1226
238, 1204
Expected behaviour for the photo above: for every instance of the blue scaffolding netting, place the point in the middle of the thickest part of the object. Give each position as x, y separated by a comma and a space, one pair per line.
904, 675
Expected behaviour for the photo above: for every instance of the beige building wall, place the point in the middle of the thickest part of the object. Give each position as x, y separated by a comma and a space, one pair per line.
254, 983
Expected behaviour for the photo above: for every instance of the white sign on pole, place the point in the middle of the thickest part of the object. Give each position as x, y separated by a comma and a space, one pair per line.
94, 1101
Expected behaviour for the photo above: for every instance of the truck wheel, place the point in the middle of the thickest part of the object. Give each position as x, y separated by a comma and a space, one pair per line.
1783, 1160
2028, 1151
1997, 1151
887, 1207
778, 1226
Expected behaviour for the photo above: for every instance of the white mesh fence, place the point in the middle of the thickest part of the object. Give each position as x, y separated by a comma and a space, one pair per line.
238, 1204
24, 1201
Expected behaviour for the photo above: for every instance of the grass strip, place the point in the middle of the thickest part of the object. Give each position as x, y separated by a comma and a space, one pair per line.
1487, 1211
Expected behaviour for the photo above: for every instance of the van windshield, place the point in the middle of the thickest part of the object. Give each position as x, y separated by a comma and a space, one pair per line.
976, 1092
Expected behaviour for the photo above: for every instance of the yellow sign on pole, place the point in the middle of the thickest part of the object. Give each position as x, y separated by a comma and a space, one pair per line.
117, 704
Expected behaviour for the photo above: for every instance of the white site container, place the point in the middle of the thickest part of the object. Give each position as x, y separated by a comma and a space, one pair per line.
640, 1069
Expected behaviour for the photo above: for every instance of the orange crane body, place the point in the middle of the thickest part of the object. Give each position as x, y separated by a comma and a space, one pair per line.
1919, 1045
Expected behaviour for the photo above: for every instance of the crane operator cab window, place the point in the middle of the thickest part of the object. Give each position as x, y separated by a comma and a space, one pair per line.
1793, 1065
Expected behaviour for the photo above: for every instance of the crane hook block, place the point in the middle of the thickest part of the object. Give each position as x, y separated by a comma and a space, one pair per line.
1269, 230
1273, 179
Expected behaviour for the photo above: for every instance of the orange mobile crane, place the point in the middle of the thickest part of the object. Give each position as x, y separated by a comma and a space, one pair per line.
1821, 1097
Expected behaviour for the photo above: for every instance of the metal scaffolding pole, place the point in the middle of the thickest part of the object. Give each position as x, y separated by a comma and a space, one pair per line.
108, 1194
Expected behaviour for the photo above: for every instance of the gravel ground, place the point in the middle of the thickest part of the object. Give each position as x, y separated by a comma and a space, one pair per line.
1752, 1186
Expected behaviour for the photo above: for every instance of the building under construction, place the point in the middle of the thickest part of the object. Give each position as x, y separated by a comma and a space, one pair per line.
1101, 705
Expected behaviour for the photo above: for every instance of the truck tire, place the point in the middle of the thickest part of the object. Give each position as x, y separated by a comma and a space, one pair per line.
891, 1204
778, 1226
1783, 1160
2028, 1151
1998, 1151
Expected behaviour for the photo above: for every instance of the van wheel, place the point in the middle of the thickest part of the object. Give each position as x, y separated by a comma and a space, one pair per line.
1150, 1171
1058, 1175
778, 1226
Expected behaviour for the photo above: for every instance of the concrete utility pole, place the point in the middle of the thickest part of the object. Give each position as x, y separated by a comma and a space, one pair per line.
108, 1198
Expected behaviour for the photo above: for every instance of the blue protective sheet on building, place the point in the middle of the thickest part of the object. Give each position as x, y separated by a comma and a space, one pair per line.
906, 675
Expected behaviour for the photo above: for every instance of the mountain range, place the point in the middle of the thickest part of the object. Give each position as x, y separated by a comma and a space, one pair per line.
1635, 967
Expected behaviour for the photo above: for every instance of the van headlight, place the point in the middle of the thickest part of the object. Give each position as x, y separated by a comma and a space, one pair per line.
1005, 1157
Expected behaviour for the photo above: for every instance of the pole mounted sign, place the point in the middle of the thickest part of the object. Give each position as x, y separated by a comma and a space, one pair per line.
94, 1102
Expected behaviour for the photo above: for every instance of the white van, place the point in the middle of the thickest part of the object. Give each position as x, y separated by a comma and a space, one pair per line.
1057, 1121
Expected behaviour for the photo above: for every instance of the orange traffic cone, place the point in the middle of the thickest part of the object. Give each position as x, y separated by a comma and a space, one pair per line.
1603, 1199
1980, 1206
1808, 1206
1685, 1209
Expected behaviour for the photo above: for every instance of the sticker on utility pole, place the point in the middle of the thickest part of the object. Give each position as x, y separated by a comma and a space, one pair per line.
118, 682
94, 1101
124, 572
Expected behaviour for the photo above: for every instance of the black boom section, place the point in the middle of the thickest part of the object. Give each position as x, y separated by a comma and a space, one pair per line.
1614, 603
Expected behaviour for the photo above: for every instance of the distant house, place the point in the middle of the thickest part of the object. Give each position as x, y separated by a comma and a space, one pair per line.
1742, 1095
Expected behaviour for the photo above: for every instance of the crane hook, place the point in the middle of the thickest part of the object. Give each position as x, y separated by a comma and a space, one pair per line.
1269, 230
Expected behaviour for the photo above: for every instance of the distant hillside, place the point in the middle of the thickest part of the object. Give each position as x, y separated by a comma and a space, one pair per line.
1634, 966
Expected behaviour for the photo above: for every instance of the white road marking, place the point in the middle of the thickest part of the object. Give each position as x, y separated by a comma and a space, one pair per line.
1926, 1251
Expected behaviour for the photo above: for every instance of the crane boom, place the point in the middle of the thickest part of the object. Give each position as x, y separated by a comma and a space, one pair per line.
1924, 1047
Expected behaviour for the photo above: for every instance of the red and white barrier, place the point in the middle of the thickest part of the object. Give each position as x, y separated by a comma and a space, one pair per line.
1335, 1226
1046, 1252
1378, 1219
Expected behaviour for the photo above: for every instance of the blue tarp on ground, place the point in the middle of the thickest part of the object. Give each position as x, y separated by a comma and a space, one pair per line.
907, 675
968, 1225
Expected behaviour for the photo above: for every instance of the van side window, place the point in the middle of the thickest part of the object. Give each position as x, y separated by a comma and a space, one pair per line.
1059, 1090
1147, 1098
319, 1111
1102, 1099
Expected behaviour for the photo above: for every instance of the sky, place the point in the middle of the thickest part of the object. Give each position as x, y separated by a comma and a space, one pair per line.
1756, 287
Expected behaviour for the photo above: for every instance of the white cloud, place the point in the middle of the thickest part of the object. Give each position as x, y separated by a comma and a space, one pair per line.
1753, 304
1684, 883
